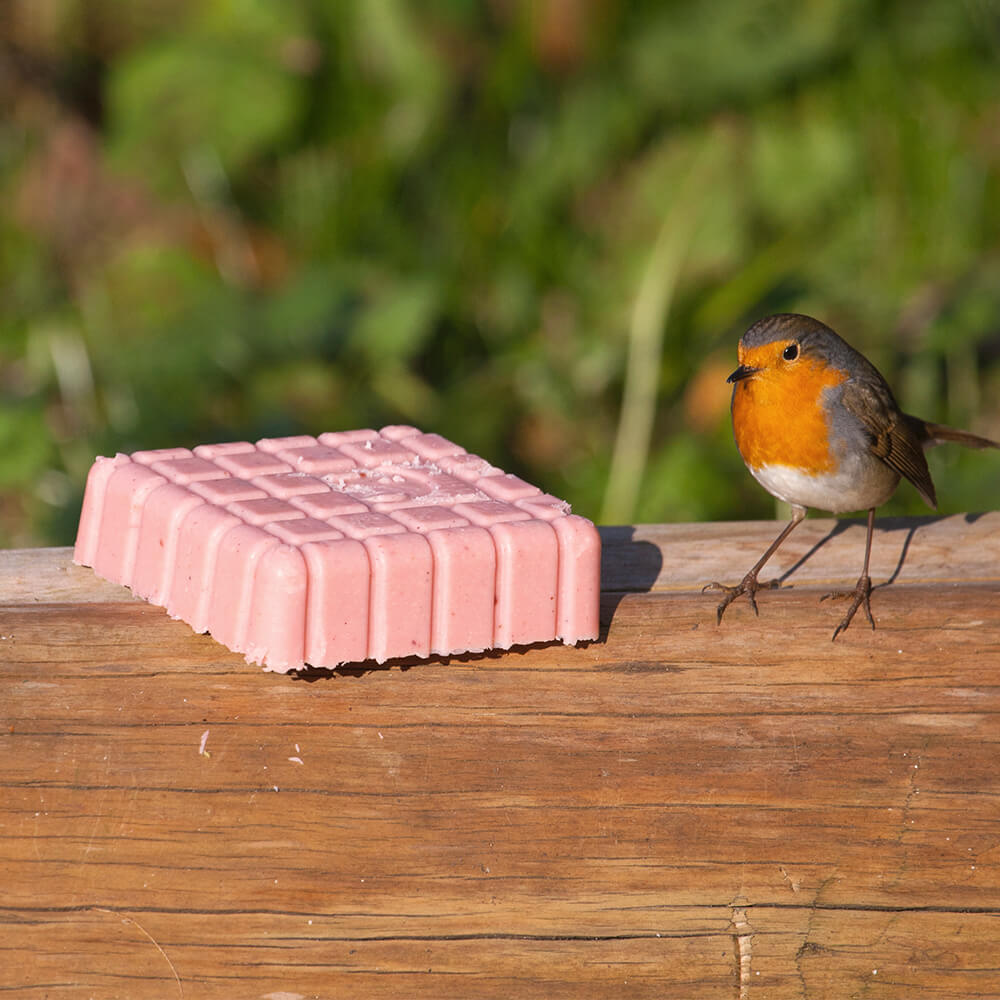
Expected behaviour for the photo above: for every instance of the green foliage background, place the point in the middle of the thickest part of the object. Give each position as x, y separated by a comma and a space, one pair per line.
536, 227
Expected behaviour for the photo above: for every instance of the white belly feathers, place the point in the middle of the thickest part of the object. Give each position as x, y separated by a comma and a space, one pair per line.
859, 483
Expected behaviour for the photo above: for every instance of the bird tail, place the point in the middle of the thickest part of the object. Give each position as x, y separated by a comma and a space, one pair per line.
939, 434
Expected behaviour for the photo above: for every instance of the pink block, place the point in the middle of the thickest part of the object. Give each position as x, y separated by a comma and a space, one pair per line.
264, 510
198, 537
400, 614
156, 555
124, 498
544, 506
464, 589
273, 445
337, 438
579, 599
470, 467
487, 512
223, 491
432, 446
290, 484
381, 489
327, 505
527, 582
316, 459
396, 432
247, 465
188, 470
434, 487
302, 530
428, 519
380, 451
463, 581
338, 601
241, 550
160, 455
225, 448
347, 546
397, 488
507, 487
88, 536
276, 623
367, 524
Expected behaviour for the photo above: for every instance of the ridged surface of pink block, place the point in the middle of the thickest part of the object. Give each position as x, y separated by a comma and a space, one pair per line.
527, 579
399, 622
579, 598
338, 601
464, 588
241, 551
198, 538
88, 536
121, 514
276, 623
346, 546
156, 552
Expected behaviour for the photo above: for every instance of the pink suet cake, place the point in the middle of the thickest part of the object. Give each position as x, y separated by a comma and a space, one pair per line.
349, 546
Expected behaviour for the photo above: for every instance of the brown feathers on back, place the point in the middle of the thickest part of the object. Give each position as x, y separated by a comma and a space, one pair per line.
896, 438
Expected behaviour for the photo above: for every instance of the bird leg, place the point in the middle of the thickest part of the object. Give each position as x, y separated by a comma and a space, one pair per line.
749, 585
861, 595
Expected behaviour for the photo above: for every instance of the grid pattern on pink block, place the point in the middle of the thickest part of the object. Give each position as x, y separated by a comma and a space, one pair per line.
343, 547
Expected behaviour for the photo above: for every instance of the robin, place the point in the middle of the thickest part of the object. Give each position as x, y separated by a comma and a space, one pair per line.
817, 426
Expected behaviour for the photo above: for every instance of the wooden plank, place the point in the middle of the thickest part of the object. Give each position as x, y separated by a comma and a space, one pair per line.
289, 956
678, 809
49, 576
789, 951
820, 551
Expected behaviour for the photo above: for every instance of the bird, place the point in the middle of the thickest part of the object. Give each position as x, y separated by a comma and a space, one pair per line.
818, 426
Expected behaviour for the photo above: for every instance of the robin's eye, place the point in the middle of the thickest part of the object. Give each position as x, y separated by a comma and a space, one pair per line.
791, 352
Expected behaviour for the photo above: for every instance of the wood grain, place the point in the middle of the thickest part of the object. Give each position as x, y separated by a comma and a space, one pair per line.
678, 809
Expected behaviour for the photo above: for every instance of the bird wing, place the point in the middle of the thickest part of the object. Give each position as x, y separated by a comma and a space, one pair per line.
894, 437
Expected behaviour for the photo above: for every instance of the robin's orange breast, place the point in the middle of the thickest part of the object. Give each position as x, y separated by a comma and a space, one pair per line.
779, 417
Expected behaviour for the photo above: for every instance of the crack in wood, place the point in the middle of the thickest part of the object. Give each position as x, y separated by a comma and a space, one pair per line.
743, 940
135, 923
809, 947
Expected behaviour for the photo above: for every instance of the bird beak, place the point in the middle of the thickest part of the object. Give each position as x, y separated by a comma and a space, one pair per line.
744, 371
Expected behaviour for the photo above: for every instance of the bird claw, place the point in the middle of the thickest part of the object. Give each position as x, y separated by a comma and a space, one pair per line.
749, 585
860, 598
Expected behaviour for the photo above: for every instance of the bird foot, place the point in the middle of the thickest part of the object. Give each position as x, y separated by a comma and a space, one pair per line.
860, 597
749, 585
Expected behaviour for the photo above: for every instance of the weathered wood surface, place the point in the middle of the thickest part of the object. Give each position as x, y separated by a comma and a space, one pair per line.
677, 810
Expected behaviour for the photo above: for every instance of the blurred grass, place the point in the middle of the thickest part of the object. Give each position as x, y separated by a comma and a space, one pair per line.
536, 227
